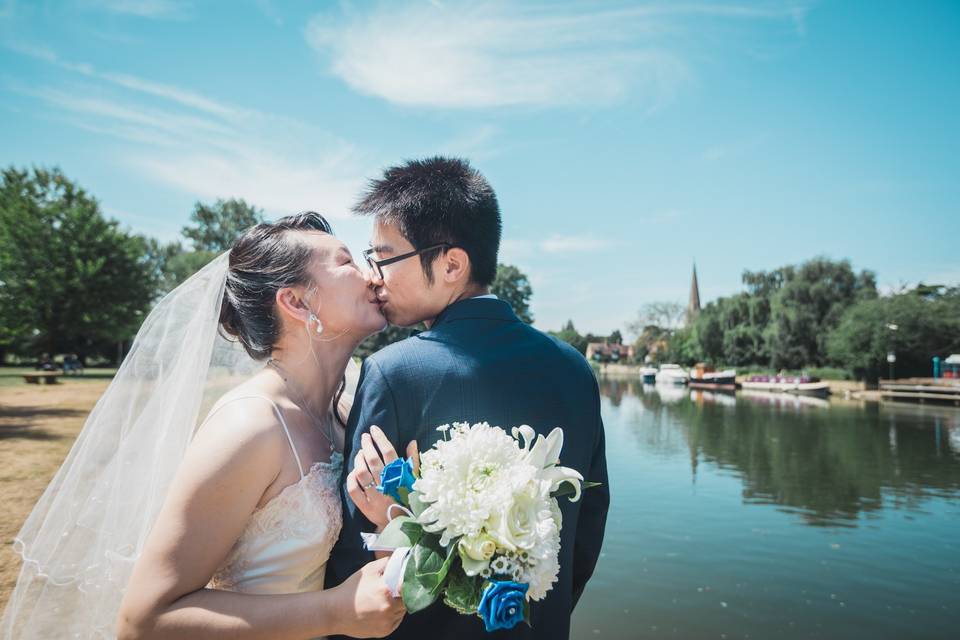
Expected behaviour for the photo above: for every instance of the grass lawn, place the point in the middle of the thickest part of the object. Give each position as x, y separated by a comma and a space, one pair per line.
38, 424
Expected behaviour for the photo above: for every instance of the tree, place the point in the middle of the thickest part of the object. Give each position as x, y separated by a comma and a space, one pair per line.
667, 315
808, 305
731, 330
216, 226
653, 342
571, 336
172, 264
511, 285
616, 337
655, 324
70, 280
925, 328
380, 340
683, 347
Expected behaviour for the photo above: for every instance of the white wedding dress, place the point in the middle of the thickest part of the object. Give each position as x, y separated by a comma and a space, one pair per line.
286, 543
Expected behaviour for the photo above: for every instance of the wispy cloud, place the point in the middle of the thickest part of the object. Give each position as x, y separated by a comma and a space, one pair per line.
270, 10
734, 149
712, 154
202, 146
476, 143
521, 250
574, 244
490, 55
176, 94
509, 54
662, 216
167, 9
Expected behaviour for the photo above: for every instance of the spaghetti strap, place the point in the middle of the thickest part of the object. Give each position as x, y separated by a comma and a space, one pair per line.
283, 423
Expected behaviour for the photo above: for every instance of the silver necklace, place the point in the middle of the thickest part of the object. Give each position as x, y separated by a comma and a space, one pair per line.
299, 401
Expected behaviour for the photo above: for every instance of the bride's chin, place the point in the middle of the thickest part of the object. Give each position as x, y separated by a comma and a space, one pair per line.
373, 328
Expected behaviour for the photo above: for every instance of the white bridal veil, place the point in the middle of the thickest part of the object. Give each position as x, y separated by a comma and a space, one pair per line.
80, 542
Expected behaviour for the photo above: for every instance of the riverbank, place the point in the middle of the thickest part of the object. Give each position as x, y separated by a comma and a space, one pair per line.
840, 388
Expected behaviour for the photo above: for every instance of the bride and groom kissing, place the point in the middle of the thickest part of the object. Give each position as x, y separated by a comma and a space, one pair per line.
249, 526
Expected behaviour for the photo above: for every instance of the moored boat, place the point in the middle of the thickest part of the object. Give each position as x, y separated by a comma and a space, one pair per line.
671, 374
804, 385
648, 375
704, 377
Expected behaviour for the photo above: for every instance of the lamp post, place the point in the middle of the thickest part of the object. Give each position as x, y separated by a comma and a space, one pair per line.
891, 356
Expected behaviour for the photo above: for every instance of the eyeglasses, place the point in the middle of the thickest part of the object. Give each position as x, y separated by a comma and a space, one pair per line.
377, 265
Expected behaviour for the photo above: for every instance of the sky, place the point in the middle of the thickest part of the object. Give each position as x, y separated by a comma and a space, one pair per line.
626, 141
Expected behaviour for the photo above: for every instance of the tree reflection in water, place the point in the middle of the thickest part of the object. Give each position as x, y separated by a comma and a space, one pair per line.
829, 462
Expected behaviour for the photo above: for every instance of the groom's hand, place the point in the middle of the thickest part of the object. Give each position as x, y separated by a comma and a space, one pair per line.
376, 451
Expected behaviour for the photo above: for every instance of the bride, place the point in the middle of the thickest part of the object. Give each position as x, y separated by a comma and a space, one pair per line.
157, 526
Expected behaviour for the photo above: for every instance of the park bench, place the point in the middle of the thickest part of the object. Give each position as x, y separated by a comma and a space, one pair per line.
48, 377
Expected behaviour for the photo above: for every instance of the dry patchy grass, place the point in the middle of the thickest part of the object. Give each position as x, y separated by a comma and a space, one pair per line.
38, 424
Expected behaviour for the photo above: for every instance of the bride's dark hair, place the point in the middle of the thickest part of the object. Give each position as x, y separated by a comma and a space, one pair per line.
265, 259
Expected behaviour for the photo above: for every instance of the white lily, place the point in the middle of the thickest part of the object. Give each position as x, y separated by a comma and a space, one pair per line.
525, 434
557, 475
546, 451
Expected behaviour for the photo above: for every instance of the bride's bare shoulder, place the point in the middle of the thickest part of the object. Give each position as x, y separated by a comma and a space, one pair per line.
241, 420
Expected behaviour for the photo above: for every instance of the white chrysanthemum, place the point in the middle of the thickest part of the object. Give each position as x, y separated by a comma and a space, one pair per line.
543, 565
465, 478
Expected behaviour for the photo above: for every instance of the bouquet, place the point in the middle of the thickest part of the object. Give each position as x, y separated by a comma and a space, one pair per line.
481, 523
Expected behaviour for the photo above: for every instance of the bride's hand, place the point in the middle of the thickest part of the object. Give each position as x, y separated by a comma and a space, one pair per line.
375, 453
365, 607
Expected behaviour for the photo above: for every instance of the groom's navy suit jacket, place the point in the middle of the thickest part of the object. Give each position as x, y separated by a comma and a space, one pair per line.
479, 362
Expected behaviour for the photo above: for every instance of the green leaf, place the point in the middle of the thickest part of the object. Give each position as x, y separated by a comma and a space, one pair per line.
463, 592
567, 489
426, 572
526, 613
413, 531
417, 506
402, 531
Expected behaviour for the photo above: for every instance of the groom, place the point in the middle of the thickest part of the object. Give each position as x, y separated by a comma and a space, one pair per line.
433, 256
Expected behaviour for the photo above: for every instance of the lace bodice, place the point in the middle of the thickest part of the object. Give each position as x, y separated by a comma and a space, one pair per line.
286, 543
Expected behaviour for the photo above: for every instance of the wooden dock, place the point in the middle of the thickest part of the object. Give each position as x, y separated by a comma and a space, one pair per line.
921, 390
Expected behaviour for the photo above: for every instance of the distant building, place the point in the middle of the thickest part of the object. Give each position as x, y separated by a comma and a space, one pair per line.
609, 352
693, 306
951, 366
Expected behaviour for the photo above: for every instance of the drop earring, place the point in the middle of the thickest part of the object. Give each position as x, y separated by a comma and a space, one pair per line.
314, 318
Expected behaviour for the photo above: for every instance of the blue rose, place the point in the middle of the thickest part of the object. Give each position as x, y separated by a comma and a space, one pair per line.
501, 605
395, 476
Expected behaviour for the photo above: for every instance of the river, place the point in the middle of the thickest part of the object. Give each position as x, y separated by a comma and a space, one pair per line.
769, 516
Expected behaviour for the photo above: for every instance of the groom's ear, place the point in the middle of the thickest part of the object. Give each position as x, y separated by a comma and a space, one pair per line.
455, 265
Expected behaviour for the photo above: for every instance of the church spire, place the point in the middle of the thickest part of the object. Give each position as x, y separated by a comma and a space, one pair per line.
693, 307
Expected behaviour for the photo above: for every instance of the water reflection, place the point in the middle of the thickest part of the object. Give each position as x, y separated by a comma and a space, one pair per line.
775, 517
830, 463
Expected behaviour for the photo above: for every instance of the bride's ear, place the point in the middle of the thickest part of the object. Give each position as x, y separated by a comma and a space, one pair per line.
291, 303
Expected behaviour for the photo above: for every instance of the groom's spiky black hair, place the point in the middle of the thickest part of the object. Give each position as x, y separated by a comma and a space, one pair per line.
440, 200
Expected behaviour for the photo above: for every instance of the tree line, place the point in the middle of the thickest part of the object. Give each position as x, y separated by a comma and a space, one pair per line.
74, 281
817, 314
